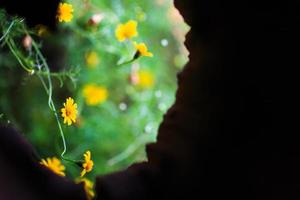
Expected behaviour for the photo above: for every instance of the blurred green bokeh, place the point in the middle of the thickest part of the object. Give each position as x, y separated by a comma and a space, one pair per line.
116, 130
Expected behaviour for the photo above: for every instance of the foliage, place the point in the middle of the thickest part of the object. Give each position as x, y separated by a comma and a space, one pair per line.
121, 96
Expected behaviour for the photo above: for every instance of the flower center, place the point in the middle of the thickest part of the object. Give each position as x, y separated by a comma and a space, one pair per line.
88, 165
68, 112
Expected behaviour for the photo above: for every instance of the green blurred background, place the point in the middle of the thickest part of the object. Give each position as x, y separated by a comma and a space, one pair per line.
117, 129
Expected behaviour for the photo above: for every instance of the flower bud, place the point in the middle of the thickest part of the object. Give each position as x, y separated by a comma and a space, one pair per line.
27, 42
96, 19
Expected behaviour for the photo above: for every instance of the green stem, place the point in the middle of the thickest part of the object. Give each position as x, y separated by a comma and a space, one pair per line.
59, 76
127, 62
49, 92
48, 88
7, 31
47, 71
57, 120
56, 117
12, 48
129, 150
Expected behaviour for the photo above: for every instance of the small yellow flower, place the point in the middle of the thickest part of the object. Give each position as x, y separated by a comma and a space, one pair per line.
142, 50
92, 59
54, 165
126, 31
145, 79
42, 31
69, 112
88, 187
94, 94
87, 165
65, 12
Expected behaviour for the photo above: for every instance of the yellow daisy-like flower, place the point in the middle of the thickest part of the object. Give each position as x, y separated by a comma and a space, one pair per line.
65, 12
126, 31
92, 59
54, 165
87, 165
88, 187
69, 112
94, 94
145, 79
142, 50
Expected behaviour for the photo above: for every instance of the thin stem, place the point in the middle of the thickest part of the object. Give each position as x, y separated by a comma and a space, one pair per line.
48, 88
60, 76
49, 92
7, 31
11, 46
129, 150
53, 74
61, 132
127, 62
47, 71
57, 119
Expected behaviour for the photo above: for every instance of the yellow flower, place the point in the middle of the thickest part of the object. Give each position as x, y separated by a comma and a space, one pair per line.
54, 165
92, 59
94, 94
87, 164
65, 12
42, 30
145, 79
126, 31
69, 112
142, 50
88, 187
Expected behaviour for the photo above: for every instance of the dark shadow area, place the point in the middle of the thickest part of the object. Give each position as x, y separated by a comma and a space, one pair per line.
22, 177
230, 134
35, 12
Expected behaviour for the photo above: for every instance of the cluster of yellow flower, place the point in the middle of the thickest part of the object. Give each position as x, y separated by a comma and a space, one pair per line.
55, 165
95, 94
126, 32
123, 31
141, 78
69, 113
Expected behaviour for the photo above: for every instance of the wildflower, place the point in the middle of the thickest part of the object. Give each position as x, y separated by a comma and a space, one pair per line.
87, 165
42, 30
126, 31
69, 112
88, 187
94, 94
54, 165
65, 12
145, 79
92, 59
142, 50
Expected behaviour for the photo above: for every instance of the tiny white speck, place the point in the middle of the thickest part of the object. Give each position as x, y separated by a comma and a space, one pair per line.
122, 106
164, 42
158, 93
148, 128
